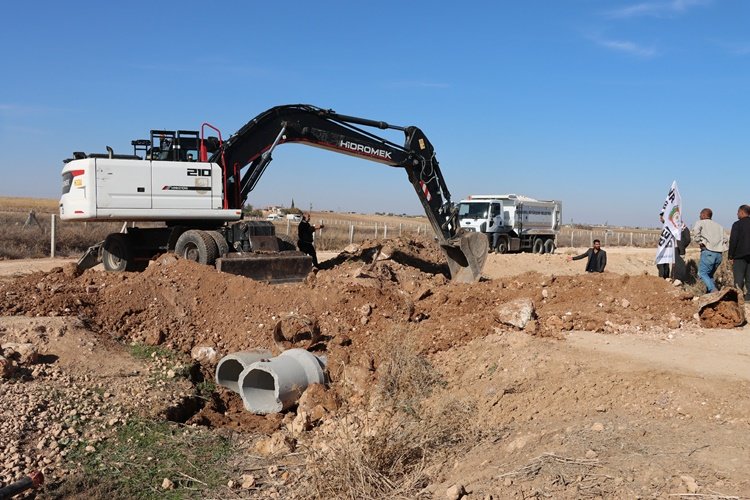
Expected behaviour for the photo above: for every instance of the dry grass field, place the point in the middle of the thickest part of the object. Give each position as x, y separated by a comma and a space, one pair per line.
39, 205
23, 240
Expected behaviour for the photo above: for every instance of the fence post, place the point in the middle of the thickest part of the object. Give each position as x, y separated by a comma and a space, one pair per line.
321, 231
385, 230
418, 227
631, 238
399, 229
591, 237
351, 233
376, 230
52, 236
287, 227
572, 233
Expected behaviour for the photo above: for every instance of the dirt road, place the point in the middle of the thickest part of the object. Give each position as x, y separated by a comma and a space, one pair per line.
24, 266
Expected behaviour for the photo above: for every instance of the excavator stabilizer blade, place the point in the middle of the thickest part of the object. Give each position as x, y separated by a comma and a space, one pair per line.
466, 256
274, 268
90, 258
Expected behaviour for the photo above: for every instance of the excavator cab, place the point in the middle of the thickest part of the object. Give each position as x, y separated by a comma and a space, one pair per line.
170, 145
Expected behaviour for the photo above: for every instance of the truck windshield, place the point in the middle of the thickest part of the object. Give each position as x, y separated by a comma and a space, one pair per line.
473, 210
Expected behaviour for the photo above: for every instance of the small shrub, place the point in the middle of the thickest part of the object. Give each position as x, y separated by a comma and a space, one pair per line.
390, 450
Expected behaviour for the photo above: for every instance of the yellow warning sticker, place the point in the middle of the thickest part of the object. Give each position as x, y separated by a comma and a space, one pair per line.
421, 144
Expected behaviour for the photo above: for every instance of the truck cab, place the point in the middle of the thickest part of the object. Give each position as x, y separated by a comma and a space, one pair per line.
512, 222
481, 216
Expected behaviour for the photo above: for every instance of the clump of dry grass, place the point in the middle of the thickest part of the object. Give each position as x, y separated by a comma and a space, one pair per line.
390, 449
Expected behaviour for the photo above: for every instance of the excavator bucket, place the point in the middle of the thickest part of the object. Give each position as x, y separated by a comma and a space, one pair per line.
466, 255
275, 268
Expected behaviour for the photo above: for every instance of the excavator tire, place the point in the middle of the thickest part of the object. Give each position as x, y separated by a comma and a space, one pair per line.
538, 246
117, 254
221, 242
549, 246
198, 246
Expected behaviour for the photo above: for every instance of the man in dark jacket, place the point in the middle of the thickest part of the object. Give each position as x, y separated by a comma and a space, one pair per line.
305, 232
679, 271
597, 258
739, 250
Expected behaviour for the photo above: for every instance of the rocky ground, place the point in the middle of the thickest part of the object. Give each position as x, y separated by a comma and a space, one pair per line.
504, 388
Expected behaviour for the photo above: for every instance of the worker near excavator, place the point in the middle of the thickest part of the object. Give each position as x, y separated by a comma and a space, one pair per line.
305, 242
597, 258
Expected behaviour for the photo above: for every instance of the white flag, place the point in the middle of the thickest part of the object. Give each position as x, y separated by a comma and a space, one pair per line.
670, 233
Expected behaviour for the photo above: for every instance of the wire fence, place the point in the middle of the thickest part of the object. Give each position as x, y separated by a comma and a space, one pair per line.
620, 237
338, 233
25, 237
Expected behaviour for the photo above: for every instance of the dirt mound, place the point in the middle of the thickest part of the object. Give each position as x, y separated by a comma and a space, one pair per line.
725, 309
394, 286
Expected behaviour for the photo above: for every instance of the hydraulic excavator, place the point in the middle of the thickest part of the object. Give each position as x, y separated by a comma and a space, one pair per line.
196, 186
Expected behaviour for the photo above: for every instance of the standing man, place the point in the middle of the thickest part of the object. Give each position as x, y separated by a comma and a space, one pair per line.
597, 258
739, 250
305, 232
710, 236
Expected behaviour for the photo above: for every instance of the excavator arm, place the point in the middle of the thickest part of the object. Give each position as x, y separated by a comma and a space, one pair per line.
245, 156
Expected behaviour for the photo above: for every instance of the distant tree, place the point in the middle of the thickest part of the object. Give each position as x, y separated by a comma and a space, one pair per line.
249, 211
292, 203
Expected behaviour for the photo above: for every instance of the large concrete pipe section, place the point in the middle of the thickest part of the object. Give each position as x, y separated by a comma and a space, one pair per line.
275, 384
232, 365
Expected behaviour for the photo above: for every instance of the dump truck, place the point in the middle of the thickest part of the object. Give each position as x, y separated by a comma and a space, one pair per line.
511, 222
182, 191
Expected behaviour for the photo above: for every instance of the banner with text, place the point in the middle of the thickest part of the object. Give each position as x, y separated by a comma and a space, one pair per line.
672, 228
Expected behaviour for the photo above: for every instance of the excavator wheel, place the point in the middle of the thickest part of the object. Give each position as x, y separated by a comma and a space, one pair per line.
221, 243
198, 246
117, 254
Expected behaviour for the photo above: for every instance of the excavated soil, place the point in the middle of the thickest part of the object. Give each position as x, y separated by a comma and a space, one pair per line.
355, 300
556, 420
361, 302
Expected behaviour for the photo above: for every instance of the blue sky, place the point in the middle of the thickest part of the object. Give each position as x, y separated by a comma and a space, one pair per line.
600, 104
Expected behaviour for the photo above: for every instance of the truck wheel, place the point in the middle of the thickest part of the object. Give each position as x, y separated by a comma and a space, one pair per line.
502, 245
221, 243
117, 256
538, 246
197, 246
549, 246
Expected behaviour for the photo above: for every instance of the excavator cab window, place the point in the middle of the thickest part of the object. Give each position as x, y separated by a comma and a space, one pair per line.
187, 145
163, 143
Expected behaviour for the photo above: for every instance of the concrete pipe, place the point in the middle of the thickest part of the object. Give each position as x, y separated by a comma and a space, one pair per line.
232, 365
273, 385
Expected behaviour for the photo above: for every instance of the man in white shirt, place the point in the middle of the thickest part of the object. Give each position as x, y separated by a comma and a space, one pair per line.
710, 236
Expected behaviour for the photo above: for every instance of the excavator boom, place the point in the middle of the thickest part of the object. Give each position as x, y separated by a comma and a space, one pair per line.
246, 155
